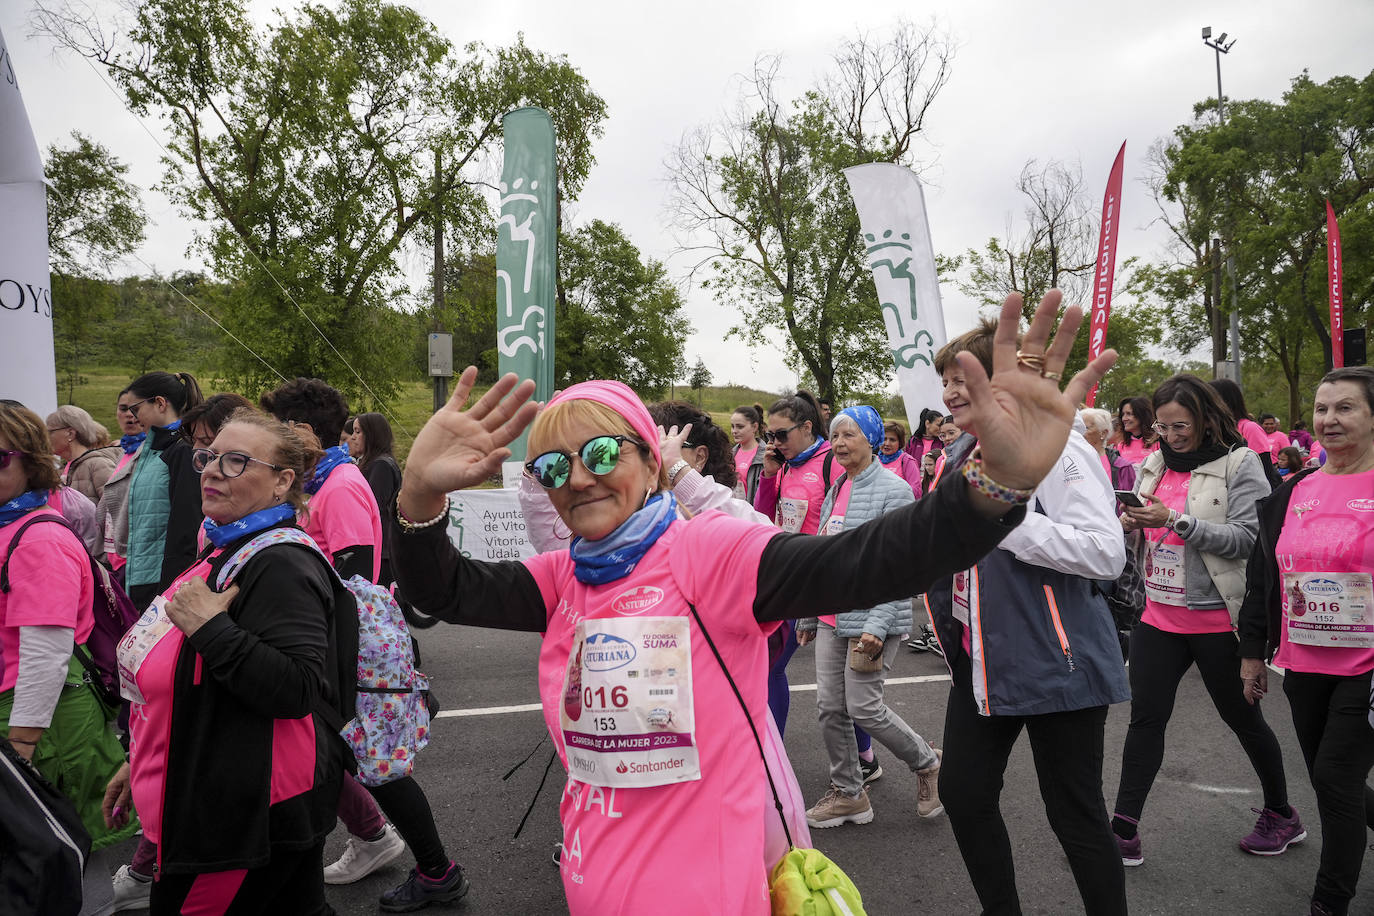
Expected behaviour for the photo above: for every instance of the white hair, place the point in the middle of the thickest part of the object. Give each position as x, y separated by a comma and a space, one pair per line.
1097, 418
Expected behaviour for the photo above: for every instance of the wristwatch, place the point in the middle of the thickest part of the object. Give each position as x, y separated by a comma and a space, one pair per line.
1183, 525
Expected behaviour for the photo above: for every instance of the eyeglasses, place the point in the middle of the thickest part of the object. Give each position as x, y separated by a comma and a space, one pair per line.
133, 408
599, 454
777, 435
57, 429
1177, 428
231, 464
7, 455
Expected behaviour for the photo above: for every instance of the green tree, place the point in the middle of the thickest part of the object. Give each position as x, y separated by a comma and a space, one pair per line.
307, 148
701, 377
762, 199
95, 217
619, 316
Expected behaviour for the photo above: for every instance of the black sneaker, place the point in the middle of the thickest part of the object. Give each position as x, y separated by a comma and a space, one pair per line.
418, 892
918, 643
872, 769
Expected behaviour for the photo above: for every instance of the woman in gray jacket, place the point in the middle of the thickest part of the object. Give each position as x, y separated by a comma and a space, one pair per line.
854, 650
1200, 517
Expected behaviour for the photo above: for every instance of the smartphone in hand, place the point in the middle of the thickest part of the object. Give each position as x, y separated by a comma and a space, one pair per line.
1128, 498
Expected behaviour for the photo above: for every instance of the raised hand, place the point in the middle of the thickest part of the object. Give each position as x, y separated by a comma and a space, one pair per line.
459, 448
1022, 418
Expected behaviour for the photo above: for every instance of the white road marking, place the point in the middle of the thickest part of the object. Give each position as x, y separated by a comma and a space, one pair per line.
535, 707
1224, 790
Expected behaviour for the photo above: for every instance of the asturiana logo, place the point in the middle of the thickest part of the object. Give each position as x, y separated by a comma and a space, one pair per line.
637, 600
1167, 555
605, 652
1321, 587
1361, 505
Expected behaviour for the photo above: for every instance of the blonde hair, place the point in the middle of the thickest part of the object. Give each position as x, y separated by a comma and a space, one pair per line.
555, 425
88, 432
22, 429
298, 451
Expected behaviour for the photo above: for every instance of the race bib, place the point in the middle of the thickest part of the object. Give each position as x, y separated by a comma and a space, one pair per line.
961, 596
628, 717
792, 513
137, 643
1329, 609
834, 525
1164, 578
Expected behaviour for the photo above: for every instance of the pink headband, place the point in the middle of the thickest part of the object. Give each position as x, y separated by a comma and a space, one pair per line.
621, 398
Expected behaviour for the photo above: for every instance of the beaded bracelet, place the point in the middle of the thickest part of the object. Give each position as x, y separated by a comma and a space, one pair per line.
978, 479
407, 525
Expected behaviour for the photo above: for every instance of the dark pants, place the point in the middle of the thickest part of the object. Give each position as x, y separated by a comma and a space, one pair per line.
404, 802
292, 882
779, 654
1067, 747
1158, 662
1331, 718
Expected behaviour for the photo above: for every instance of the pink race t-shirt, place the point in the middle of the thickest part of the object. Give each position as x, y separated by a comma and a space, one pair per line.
50, 586
686, 847
1327, 542
802, 491
1255, 436
835, 524
742, 461
344, 513
1136, 450
1277, 443
1164, 568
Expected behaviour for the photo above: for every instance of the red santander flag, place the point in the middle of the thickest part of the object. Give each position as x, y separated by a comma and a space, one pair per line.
1333, 276
1106, 264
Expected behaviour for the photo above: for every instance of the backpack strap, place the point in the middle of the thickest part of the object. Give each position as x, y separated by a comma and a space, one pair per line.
14, 542
825, 468
257, 544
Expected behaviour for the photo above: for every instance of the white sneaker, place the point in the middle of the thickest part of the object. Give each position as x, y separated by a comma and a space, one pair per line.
130, 892
362, 857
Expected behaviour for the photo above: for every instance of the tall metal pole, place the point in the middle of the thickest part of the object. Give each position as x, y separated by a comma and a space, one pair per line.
440, 382
1221, 49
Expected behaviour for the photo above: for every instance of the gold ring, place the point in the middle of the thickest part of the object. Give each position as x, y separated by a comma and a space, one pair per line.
1034, 361
1056, 376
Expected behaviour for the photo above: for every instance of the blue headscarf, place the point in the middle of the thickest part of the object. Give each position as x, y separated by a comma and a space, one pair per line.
868, 421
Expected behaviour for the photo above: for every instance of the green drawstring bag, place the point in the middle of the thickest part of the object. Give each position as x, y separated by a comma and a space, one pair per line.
806, 883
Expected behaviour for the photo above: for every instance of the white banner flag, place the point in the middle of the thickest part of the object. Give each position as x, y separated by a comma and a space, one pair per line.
488, 525
892, 213
28, 372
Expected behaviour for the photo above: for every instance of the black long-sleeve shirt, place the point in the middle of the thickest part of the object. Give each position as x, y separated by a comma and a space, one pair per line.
893, 557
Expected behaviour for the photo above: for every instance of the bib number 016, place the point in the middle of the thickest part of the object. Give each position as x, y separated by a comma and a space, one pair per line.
595, 698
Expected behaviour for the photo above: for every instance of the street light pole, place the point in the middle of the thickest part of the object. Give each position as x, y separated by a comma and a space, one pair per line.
1222, 46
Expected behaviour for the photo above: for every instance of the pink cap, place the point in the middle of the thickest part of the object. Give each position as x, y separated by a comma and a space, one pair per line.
621, 398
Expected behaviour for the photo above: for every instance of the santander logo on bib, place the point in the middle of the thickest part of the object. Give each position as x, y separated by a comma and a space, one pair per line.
637, 600
1361, 505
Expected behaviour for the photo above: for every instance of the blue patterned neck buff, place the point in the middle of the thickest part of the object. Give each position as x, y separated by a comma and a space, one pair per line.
805, 456
22, 504
333, 457
885, 458
130, 444
252, 523
615, 555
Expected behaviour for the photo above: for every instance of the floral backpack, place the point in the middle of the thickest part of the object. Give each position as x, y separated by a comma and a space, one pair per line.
391, 721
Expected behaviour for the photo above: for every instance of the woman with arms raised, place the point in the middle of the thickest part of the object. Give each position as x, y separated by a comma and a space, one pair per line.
638, 577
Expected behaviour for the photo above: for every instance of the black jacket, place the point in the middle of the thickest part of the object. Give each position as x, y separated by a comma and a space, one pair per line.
287, 648
184, 514
1262, 611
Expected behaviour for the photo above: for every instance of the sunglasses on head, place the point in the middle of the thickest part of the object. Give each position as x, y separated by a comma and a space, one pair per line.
7, 455
599, 454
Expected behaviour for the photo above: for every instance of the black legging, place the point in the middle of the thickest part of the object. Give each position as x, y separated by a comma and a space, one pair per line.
405, 804
1158, 662
1331, 717
291, 882
1067, 747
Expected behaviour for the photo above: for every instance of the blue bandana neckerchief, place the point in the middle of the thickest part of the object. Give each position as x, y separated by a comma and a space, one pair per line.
22, 505
615, 555
173, 426
885, 458
252, 523
804, 456
333, 457
130, 444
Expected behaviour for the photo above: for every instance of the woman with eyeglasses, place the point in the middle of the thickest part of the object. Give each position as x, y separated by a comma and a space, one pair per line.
233, 770
112, 512
797, 469
83, 445
164, 491
1307, 603
638, 705
1199, 519
48, 715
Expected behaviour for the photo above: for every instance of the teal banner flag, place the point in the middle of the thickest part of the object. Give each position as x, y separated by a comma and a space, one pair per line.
527, 253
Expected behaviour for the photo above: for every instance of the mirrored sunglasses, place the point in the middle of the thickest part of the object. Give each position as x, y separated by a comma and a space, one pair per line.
599, 454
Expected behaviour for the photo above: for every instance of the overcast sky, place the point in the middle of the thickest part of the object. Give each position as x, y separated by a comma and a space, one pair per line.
1053, 80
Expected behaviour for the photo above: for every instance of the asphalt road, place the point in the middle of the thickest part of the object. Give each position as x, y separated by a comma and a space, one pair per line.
1199, 808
